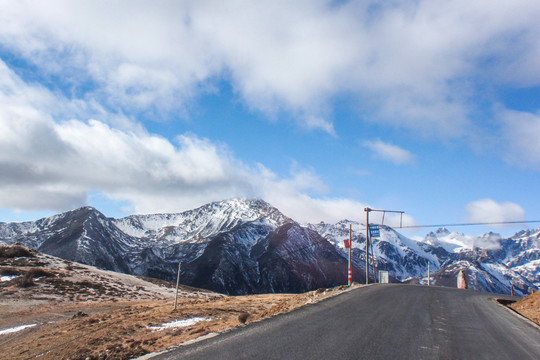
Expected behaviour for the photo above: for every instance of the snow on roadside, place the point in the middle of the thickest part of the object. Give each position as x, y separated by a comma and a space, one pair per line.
15, 329
8, 277
178, 323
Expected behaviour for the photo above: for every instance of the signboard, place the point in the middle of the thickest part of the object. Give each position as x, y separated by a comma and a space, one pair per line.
374, 231
383, 277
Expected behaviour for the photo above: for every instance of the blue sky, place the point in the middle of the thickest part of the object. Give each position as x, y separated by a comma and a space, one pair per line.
319, 107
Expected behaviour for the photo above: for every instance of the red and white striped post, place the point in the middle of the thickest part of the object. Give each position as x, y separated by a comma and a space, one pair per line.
350, 246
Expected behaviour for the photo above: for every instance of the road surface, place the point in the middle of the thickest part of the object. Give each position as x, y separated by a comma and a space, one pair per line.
381, 322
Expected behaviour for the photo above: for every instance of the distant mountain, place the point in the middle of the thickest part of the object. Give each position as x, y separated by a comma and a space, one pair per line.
241, 246
490, 262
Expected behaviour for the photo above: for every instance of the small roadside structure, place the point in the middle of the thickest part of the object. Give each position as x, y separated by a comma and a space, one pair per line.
461, 280
383, 277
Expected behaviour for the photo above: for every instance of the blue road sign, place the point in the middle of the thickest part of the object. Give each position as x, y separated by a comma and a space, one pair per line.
374, 231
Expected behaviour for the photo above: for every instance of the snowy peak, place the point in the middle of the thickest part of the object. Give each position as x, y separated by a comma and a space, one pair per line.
442, 232
401, 256
521, 249
49, 224
456, 242
200, 223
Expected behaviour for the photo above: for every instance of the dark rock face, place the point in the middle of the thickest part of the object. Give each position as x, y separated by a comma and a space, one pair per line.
295, 259
289, 259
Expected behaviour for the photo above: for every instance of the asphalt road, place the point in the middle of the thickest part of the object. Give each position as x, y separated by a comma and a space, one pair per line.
381, 322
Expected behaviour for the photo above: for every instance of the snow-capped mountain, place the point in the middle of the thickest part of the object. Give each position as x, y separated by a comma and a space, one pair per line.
402, 257
230, 246
490, 262
243, 246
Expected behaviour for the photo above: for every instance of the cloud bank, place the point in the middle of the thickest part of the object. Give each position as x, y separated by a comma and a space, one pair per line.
414, 65
50, 164
410, 64
488, 210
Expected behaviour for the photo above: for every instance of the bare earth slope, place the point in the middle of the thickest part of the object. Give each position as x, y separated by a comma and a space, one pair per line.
56, 309
529, 307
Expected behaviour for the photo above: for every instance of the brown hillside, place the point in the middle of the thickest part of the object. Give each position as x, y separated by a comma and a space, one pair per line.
74, 311
529, 307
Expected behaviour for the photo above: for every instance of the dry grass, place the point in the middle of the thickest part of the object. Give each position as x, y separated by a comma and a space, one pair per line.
123, 312
8, 270
14, 251
529, 307
125, 331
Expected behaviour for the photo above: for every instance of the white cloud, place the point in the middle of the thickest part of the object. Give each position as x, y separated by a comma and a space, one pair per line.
390, 152
408, 62
411, 64
454, 241
520, 138
47, 164
489, 241
490, 211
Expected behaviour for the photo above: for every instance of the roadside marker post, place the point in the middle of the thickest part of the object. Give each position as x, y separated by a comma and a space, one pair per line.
177, 285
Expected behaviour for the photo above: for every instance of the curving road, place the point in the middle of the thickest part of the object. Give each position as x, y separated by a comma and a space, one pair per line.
381, 322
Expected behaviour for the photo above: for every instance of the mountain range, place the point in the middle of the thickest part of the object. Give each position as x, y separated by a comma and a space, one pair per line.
242, 246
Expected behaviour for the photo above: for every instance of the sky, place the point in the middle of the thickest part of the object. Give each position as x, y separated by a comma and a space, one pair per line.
321, 108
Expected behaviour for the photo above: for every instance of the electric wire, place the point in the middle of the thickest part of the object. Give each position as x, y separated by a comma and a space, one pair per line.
472, 224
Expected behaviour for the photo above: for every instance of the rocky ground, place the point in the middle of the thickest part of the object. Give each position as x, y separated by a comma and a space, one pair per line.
56, 309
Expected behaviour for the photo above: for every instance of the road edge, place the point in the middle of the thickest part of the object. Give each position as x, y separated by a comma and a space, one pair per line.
516, 313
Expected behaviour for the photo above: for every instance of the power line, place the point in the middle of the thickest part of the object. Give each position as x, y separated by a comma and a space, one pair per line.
473, 224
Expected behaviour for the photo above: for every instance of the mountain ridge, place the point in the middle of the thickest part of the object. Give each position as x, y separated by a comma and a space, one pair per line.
226, 246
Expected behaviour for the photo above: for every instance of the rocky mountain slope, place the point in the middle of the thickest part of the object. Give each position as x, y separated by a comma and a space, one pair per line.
242, 246
237, 246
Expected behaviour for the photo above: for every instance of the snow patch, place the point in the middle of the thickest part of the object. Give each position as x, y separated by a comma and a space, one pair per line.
15, 329
8, 277
178, 323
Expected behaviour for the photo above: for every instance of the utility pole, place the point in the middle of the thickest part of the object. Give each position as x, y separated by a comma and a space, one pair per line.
177, 284
373, 262
367, 210
350, 247
376, 231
